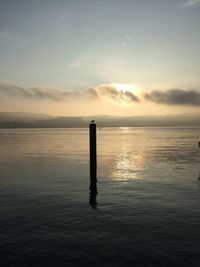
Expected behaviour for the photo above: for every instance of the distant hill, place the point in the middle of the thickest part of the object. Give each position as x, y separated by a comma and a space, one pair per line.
32, 120
22, 117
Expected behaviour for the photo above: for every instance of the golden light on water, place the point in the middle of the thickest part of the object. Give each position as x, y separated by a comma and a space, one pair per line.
130, 160
128, 166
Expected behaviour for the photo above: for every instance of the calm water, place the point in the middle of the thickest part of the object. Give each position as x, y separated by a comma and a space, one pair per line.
148, 211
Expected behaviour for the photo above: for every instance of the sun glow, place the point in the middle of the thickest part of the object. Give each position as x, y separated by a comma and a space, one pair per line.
126, 87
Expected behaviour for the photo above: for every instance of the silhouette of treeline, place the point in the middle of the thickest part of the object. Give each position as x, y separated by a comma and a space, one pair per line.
29, 120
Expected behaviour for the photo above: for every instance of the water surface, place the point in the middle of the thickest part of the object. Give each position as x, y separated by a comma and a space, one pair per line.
148, 211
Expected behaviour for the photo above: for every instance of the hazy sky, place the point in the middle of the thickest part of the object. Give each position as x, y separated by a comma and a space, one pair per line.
72, 45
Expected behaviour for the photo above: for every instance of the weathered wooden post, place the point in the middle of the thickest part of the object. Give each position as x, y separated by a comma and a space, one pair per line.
93, 154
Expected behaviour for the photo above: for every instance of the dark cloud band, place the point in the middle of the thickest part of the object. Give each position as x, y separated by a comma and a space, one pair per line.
174, 97
8, 90
109, 91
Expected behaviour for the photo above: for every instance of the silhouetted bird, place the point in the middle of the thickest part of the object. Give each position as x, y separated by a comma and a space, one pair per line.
93, 121
199, 178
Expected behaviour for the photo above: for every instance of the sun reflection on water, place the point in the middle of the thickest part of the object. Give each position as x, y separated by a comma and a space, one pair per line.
122, 157
128, 166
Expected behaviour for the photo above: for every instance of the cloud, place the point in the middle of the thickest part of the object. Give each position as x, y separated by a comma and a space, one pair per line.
128, 38
75, 64
103, 94
174, 97
9, 90
189, 3
108, 91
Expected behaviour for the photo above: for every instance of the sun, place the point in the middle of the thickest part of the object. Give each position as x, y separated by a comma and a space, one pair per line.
123, 89
127, 87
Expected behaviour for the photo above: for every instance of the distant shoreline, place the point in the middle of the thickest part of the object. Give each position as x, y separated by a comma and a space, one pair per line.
107, 127
16, 120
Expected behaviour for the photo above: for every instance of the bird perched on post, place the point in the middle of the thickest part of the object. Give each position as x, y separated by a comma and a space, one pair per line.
93, 121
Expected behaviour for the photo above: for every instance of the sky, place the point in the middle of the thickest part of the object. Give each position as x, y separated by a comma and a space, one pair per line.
83, 57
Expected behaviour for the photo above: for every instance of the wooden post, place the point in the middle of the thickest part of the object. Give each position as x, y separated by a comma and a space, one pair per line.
93, 154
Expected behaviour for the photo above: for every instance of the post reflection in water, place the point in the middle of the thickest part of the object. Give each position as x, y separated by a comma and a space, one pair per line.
93, 194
